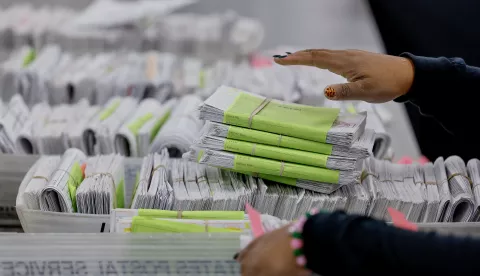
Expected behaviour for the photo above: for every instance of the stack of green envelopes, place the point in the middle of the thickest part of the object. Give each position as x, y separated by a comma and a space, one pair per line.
314, 148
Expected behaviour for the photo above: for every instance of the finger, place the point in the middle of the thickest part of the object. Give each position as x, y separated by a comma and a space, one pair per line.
324, 59
345, 91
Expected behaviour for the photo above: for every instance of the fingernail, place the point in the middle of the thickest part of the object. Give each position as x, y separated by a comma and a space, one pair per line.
277, 56
282, 56
330, 92
288, 53
235, 256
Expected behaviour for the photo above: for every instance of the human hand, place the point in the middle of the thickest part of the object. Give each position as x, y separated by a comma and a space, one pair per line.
372, 77
271, 254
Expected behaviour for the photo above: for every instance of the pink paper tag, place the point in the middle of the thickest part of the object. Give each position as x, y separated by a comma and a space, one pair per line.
399, 220
255, 221
405, 160
258, 61
423, 160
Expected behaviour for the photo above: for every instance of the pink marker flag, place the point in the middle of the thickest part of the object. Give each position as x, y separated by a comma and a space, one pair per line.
255, 221
399, 220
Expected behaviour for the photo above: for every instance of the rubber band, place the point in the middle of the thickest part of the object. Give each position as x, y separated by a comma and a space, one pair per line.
253, 149
40, 177
279, 140
459, 174
258, 109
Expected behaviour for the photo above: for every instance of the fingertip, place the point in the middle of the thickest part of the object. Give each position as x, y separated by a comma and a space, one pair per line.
330, 93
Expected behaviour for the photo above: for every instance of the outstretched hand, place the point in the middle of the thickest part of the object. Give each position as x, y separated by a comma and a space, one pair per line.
372, 77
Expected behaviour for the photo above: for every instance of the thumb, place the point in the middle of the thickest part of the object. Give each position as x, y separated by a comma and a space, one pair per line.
345, 91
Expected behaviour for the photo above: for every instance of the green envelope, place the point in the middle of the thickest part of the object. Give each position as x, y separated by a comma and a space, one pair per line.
262, 137
301, 121
277, 153
150, 225
202, 215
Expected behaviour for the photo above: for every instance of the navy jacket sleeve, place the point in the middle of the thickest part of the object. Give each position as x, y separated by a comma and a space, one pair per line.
341, 244
446, 89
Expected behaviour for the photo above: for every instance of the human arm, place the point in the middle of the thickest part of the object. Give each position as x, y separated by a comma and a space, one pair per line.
435, 85
366, 246
340, 244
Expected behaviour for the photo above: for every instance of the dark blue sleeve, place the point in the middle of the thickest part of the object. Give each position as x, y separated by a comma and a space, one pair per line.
341, 244
446, 89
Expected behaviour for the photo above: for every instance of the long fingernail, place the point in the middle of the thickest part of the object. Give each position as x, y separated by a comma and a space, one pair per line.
282, 56
330, 92
288, 53
235, 256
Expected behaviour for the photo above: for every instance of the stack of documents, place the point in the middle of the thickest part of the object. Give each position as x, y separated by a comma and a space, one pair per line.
180, 185
46, 166
360, 149
307, 177
153, 190
235, 107
443, 189
100, 132
462, 205
51, 137
12, 120
179, 132
473, 168
103, 188
158, 221
59, 193
27, 140
206, 35
431, 193
136, 134
382, 140
293, 144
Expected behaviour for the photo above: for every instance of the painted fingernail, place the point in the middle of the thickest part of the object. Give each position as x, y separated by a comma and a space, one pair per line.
288, 53
277, 56
235, 256
282, 56
330, 92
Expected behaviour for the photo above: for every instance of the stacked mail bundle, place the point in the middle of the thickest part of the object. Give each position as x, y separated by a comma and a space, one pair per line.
439, 192
99, 134
13, 117
292, 143
137, 133
162, 221
181, 129
74, 183
206, 35
376, 120
57, 76
177, 184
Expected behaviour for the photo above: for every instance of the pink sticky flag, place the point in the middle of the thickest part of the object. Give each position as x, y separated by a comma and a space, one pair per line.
258, 61
405, 160
255, 221
423, 160
399, 220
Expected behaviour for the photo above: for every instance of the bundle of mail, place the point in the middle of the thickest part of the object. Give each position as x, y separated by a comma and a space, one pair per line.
77, 184
140, 25
445, 191
165, 221
377, 118
289, 143
124, 126
181, 185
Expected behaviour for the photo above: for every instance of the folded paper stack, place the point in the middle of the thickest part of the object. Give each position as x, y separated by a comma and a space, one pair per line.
294, 144
164, 221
